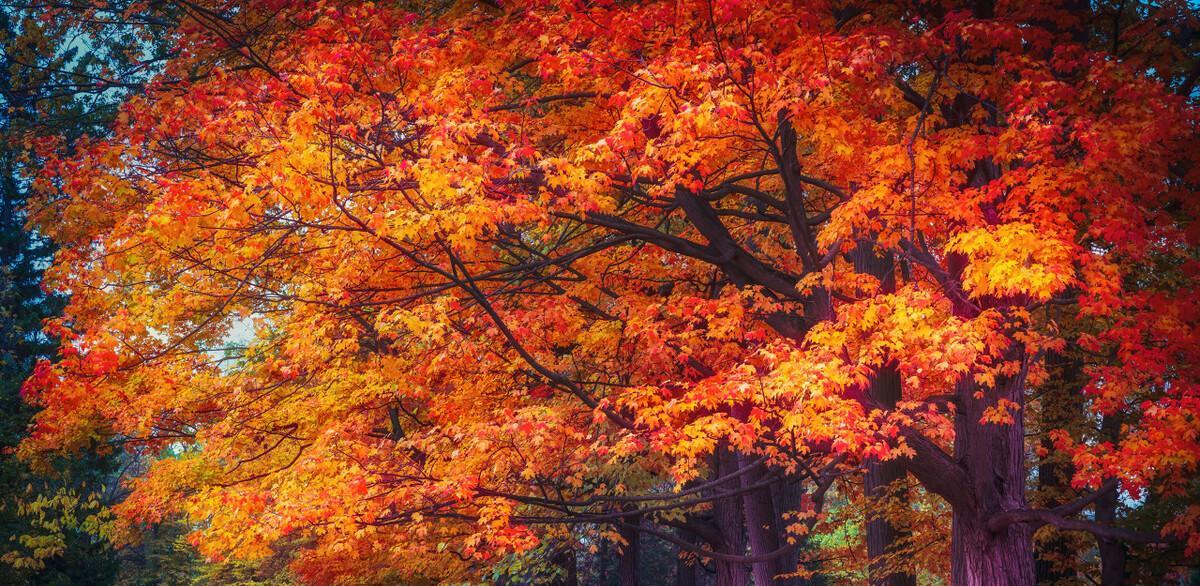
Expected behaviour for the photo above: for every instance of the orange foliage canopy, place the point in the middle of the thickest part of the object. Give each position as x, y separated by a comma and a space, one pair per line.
400, 284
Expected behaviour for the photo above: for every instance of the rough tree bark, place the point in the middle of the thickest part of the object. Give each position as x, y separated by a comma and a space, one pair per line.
994, 462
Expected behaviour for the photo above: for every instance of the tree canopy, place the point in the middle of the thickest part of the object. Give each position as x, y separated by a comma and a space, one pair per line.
427, 290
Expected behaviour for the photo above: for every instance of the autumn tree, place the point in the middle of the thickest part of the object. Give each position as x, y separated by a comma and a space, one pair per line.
418, 289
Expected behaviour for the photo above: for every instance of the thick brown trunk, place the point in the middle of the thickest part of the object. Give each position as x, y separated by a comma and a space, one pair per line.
980, 558
993, 455
988, 462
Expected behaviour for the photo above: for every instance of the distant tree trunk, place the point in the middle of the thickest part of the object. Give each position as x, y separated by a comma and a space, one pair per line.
760, 522
1051, 551
1061, 404
602, 563
886, 392
564, 558
881, 533
786, 498
685, 568
1113, 554
728, 518
627, 570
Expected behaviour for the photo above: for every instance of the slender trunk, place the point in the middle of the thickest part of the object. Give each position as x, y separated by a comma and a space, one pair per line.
1112, 560
1112, 553
882, 535
627, 568
602, 563
785, 497
1051, 553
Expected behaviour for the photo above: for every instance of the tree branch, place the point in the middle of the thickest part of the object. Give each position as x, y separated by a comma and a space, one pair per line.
1039, 517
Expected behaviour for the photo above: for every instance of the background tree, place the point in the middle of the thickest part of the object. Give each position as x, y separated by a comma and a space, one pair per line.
64, 71
42, 543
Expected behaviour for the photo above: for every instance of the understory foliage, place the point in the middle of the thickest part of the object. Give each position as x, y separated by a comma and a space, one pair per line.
472, 291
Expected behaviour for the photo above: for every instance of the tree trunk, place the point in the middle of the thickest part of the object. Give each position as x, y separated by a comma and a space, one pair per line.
627, 568
982, 559
602, 562
1050, 553
993, 455
685, 568
786, 498
881, 533
1112, 553
1061, 405
728, 517
886, 392
760, 523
